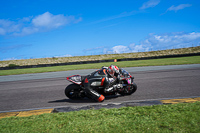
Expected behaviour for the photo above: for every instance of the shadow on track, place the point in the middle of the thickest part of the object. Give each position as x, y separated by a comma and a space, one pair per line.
72, 101
85, 100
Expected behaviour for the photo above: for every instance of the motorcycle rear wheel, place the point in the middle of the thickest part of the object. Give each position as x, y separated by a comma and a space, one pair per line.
74, 92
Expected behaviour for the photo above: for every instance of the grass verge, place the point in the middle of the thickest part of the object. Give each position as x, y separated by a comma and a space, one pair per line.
136, 63
183, 117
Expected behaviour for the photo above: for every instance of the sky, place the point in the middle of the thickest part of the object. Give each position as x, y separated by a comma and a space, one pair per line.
32, 29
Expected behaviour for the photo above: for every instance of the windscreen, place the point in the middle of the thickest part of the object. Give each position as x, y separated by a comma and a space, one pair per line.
125, 73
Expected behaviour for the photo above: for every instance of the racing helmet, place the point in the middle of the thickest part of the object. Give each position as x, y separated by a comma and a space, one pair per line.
112, 70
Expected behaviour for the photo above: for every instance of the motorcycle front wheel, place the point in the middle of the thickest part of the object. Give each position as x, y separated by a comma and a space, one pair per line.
129, 91
74, 92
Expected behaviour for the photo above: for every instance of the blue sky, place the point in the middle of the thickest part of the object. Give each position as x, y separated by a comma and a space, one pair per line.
61, 28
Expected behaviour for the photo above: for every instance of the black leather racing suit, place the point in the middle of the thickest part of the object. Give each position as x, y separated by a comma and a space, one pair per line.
99, 78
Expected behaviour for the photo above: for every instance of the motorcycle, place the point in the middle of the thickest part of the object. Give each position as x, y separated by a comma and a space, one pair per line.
76, 91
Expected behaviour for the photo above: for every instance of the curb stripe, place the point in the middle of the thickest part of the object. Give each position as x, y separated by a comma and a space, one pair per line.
184, 100
25, 113
8, 114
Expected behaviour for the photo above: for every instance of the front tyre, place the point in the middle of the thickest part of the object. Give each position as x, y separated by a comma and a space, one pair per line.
74, 92
129, 91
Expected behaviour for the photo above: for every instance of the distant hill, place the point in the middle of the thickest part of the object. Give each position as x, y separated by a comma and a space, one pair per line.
54, 60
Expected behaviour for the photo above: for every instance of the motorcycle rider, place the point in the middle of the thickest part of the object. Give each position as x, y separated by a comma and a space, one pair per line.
106, 77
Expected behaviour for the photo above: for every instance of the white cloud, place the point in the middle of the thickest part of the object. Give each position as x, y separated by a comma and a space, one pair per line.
7, 26
126, 49
138, 48
179, 7
150, 3
120, 49
2, 31
40, 23
27, 31
172, 40
159, 42
67, 55
51, 21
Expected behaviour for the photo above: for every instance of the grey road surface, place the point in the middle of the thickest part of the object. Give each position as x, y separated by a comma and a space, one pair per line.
46, 90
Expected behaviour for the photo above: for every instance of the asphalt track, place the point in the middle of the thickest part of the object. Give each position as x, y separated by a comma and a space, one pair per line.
46, 90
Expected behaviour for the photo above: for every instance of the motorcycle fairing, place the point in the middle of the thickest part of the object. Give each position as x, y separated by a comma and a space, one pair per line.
129, 80
75, 79
125, 74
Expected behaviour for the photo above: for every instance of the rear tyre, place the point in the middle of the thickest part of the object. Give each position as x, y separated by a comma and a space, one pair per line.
74, 92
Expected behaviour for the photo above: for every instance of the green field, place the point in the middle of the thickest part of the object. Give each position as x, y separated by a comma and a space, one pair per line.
136, 63
181, 118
